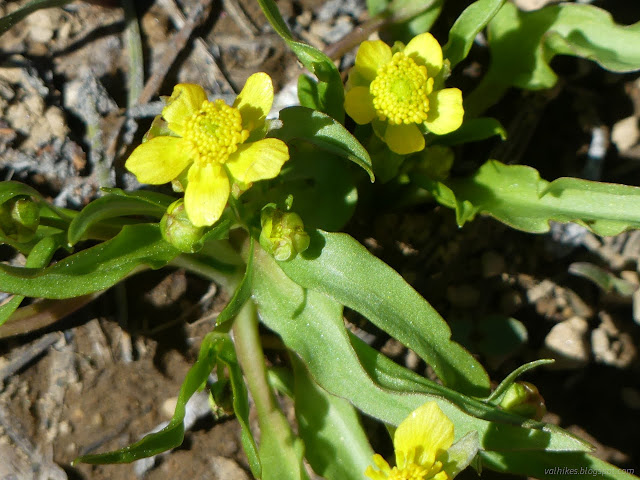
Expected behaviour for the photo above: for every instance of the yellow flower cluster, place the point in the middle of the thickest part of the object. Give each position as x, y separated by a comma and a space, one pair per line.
396, 90
209, 140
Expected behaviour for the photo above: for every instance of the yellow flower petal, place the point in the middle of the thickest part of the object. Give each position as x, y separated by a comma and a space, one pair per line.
358, 103
371, 55
422, 436
158, 160
404, 139
383, 469
255, 100
258, 160
445, 111
425, 50
206, 194
185, 100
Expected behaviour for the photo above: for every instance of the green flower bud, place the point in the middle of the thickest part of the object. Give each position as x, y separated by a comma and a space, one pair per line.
282, 234
524, 399
19, 218
178, 230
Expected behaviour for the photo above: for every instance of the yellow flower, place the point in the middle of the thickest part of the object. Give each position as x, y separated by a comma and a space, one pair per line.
210, 140
398, 90
421, 442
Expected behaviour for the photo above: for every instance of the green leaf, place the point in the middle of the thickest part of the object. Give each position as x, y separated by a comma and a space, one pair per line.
39, 257
330, 89
336, 445
404, 19
93, 269
311, 324
464, 31
227, 356
364, 283
607, 281
474, 130
522, 45
10, 20
213, 346
518, 197
323, 131
311, 93
110, 206
240, 296
10, 189
554, 465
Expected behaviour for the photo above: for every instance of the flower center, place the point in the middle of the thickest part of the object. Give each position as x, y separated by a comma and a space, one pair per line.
214, 132
400, 91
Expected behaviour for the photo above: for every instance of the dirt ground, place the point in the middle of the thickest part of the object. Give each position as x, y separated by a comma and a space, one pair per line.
110, 372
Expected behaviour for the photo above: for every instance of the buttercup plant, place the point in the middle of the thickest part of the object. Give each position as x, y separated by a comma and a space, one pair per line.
258, 207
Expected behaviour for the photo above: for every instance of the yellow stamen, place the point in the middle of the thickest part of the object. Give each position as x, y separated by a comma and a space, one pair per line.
214, 132
400, 91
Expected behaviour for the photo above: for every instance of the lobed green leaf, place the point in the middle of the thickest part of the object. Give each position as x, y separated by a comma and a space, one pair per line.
93, 269
336, 445
311, 324
111, 206
522, 45
465, 29
518, 197
337, 265
330, 91
323, 131
39, 257
554, 465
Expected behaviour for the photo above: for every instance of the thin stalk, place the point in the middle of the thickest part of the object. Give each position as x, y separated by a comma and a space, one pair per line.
251, 358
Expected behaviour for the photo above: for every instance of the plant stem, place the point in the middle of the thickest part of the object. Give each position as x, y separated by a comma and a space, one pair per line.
251, 358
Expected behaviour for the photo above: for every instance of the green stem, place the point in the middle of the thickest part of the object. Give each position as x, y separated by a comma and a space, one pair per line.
251, 358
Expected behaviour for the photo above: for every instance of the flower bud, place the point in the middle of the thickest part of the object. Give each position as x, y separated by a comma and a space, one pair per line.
282, 234
524, 399
178, 230
19, 218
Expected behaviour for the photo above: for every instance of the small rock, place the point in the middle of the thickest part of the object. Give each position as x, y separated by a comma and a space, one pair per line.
567, 342
625, 133
169, 406
610, 345
41, 26
225, 468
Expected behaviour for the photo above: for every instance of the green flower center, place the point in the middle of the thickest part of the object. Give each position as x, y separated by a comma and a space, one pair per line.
214, 132
400, 91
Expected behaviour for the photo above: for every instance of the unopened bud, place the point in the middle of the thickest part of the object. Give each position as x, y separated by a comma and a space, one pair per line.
524, 399
282, 234
178, 230
19, 218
